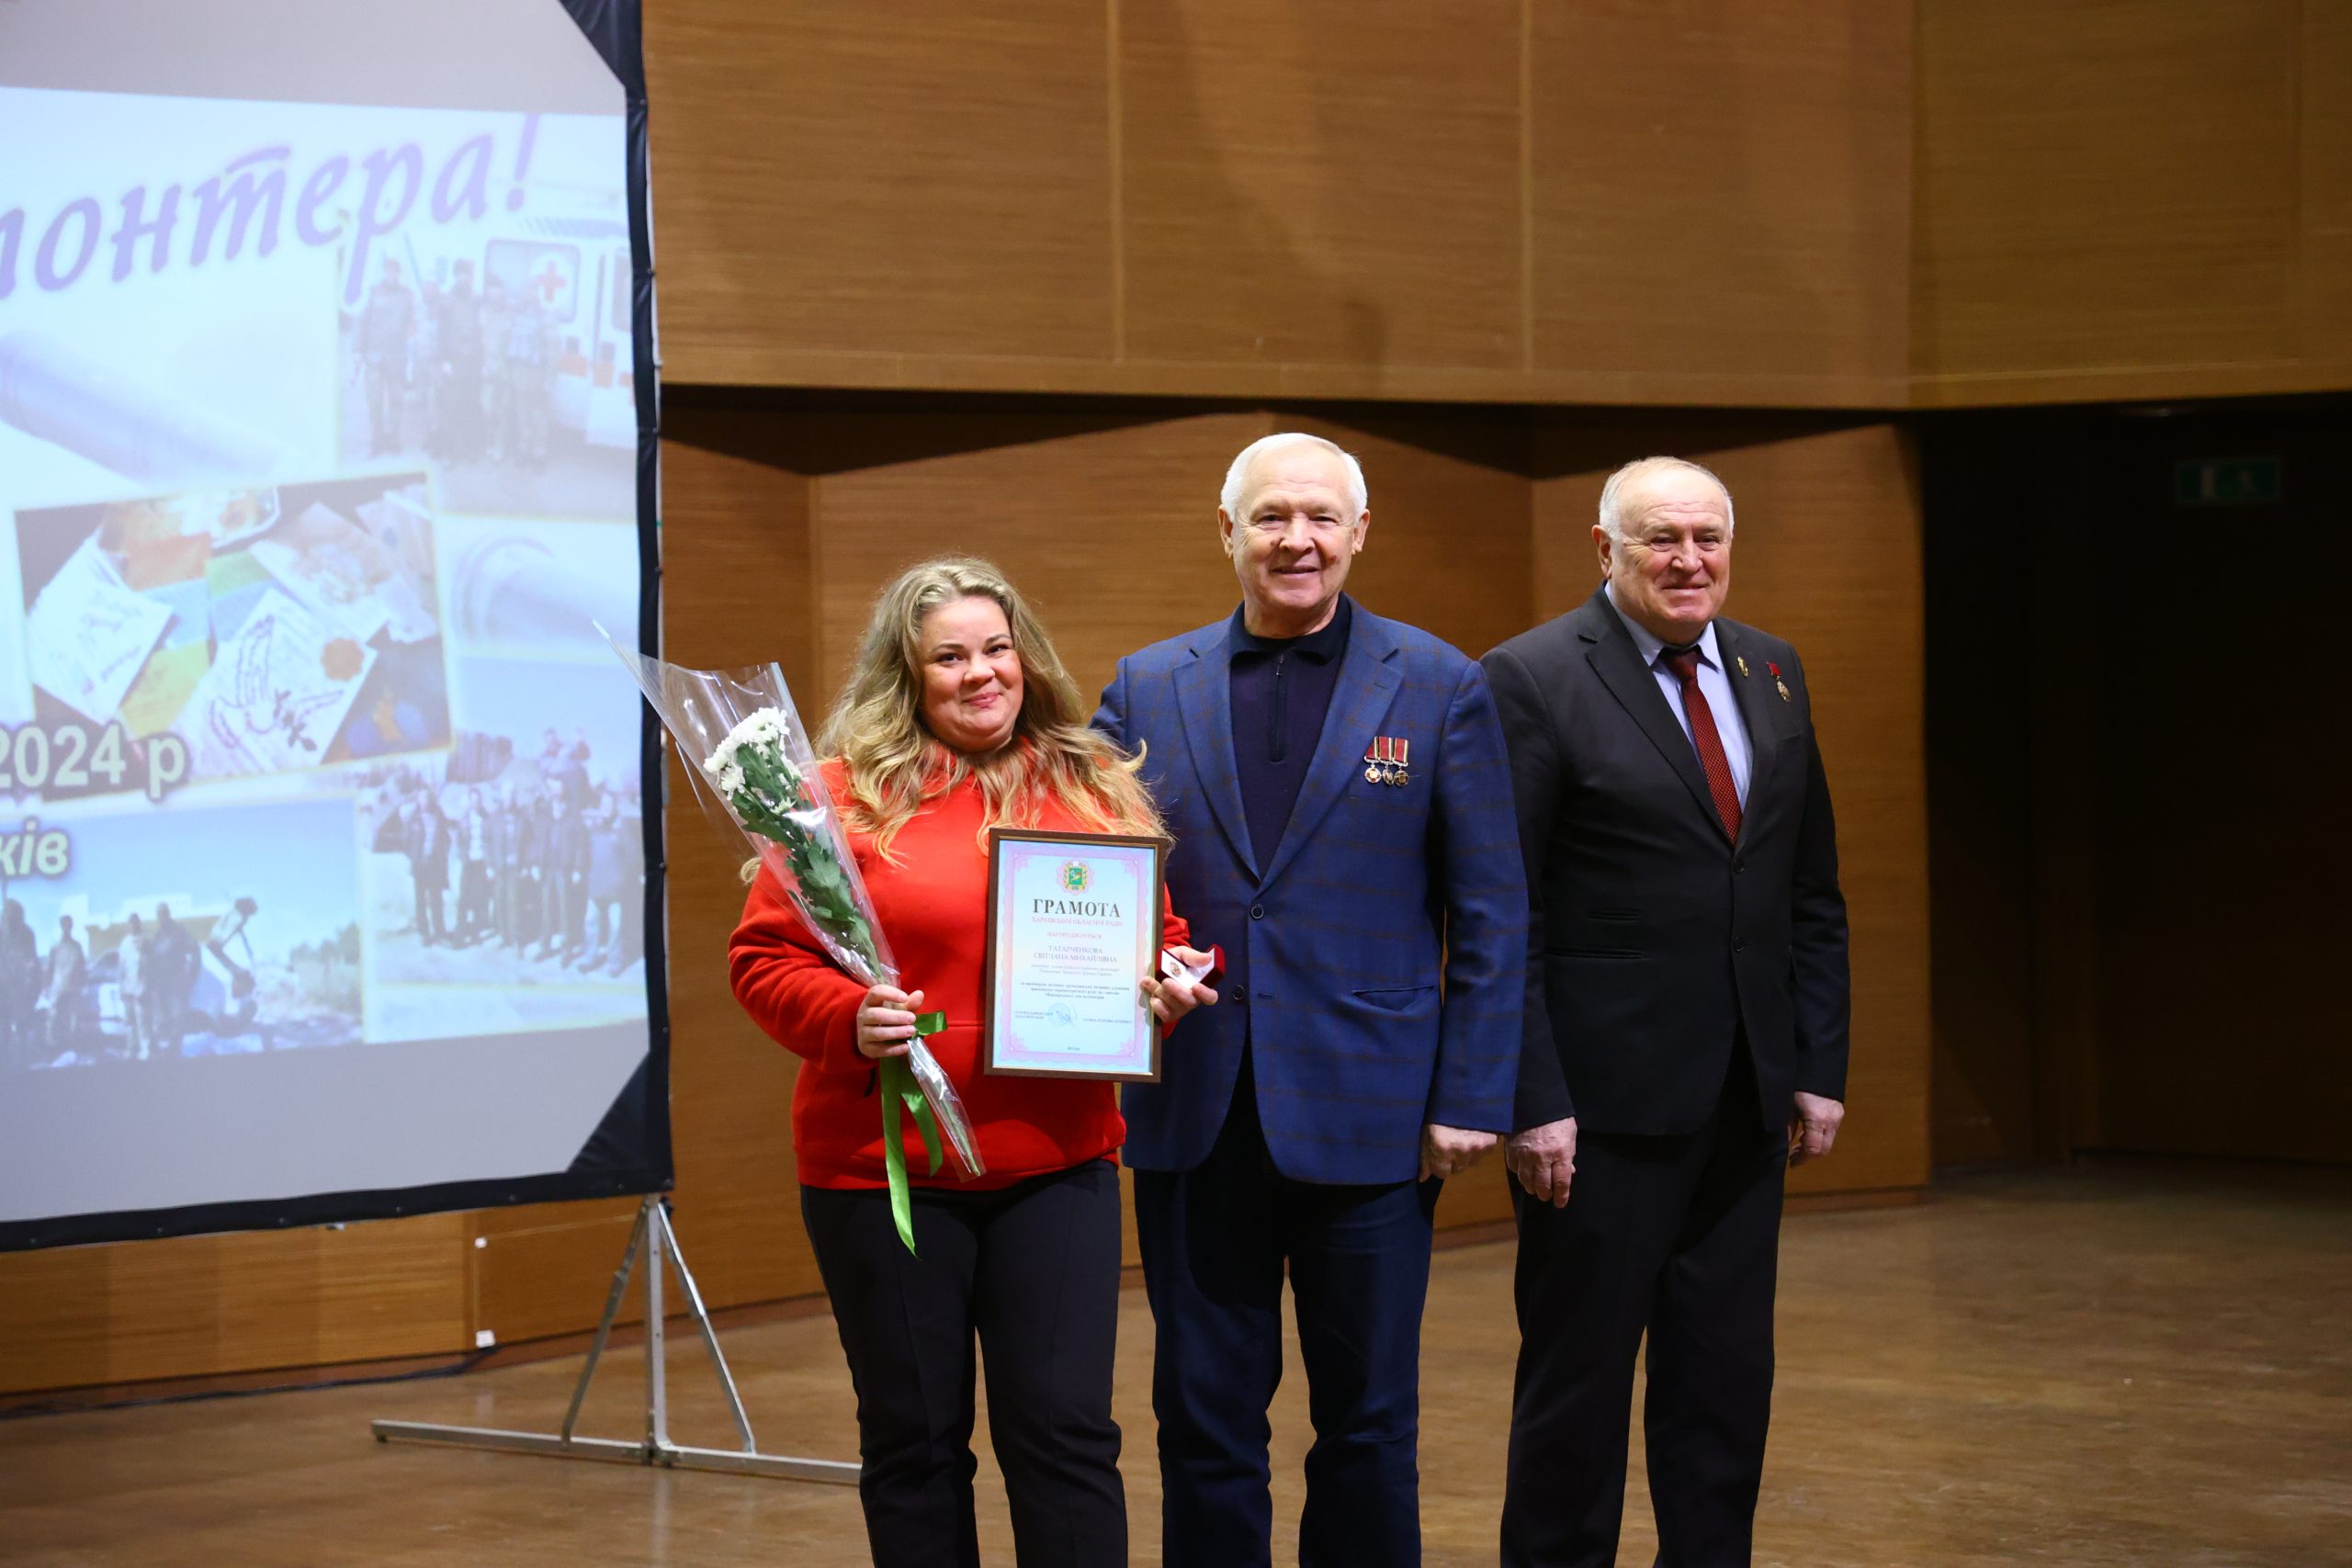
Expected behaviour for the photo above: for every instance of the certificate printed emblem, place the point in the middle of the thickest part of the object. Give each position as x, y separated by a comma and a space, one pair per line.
1076, 878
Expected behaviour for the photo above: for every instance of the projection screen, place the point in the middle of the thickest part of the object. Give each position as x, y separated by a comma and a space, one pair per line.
330, 848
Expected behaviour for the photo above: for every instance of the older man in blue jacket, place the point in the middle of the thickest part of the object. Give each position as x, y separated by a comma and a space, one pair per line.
1338, 789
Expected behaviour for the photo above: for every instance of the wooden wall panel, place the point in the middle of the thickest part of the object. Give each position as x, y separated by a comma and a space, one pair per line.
1319, 198
545, 1269
1330, 181
2148, 200
738, 565
853, 180
1720, 198
195, 1305
1853, 204
1828, 555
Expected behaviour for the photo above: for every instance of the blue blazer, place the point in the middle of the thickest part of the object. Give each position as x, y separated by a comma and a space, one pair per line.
1335, 941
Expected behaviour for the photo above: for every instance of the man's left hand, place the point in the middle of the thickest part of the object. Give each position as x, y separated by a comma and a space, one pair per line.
1450, 1151
1813, 1126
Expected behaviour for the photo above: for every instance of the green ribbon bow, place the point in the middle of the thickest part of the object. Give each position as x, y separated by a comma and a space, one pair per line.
899, 1094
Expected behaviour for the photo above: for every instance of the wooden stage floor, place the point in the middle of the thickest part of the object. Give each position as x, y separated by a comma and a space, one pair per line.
2146, 1364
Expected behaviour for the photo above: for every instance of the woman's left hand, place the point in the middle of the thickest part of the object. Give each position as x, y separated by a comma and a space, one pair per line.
1172, 998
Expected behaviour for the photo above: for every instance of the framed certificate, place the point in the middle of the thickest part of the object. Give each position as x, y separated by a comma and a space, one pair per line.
1073, 930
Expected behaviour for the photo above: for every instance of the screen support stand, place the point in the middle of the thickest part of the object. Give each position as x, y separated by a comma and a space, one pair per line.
653, 1234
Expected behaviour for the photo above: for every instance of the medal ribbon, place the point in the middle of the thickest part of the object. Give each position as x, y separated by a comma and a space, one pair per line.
899, 1094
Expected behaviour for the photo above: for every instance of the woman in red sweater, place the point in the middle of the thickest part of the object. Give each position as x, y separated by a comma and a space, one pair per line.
958, 718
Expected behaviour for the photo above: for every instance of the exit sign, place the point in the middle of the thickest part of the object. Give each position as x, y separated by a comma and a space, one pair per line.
2227, 481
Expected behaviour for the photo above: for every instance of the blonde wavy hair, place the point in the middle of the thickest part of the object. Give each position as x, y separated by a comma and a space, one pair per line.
893, 763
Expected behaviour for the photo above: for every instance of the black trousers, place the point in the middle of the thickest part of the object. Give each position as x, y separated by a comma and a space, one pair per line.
1032, 1271
1679, 1236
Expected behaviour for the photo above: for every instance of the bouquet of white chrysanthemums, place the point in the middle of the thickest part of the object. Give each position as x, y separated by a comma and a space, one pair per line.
750, 753
773, 797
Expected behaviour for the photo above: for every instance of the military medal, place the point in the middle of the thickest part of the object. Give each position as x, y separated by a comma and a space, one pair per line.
1779, 684
1384, 763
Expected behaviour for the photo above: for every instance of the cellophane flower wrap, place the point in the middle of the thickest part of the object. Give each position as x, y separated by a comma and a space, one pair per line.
753, 769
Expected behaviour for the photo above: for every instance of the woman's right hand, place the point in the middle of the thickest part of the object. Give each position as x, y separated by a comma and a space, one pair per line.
885, 1022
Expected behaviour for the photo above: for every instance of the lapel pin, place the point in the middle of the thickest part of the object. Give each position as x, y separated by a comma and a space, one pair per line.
1779, 684
1735, 659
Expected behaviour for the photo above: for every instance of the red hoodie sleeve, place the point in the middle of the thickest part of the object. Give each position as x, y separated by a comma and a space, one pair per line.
789, 986
1173, 932
1173, 929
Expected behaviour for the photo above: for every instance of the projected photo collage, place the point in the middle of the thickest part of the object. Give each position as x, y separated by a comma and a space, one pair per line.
503, 877
309, 735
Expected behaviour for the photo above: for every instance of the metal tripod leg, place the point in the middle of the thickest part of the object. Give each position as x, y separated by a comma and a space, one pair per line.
701, 1315
652, 1232
604, 1323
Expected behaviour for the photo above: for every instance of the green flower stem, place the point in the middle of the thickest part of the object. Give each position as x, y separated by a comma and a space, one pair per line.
900, 1094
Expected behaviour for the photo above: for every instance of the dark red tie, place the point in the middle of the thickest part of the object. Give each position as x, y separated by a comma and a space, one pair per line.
1685, 665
